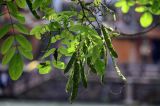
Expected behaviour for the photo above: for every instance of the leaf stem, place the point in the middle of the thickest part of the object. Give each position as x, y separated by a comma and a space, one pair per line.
10, 19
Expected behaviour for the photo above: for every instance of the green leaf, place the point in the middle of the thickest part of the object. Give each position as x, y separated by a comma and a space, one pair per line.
36, 4
24, 42
21, 3
92, 19
20, 17
77, 28
140, 9
63, 50
44, 68
12, 7
120, 3
125, 5
16, 67
36, 31
27, 54
21, 28
125, 8
97, 2
95, 52
131, 3
8, 56
144, 2
7, 44
91, 66
146, 19
71, 61
59, 65
72, 46
4, 30
48, 53
155, 8
55, 38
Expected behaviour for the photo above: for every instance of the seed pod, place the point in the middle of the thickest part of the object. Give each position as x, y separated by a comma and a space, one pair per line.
56, 55
109, 44
69, 82
84, 48
76, 77
102, 79
71, 61
83, 75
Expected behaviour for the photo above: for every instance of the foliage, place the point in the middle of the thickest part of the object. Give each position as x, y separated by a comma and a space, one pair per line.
148, 8
87, 44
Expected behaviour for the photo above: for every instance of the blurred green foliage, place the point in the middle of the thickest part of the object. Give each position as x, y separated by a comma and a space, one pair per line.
148, 8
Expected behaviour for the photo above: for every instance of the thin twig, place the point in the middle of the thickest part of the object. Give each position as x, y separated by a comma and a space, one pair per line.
93, 16
10, 19
137, 33
84, 15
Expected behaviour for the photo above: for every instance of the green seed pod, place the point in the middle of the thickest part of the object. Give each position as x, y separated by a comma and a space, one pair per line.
69, 65
108, 42
69, 82
83, 75
76, 77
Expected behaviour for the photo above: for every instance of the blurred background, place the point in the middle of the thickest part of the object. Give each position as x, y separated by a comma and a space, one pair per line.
139, 60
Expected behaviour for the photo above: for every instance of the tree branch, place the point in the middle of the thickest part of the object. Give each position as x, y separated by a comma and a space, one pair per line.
137, 33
